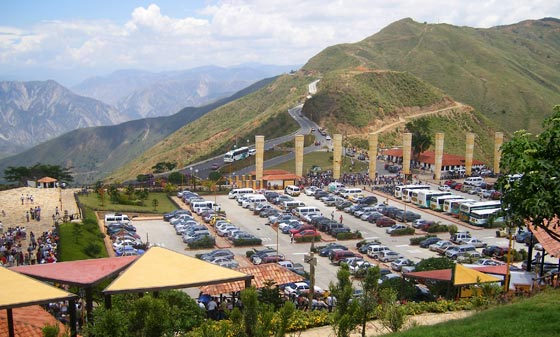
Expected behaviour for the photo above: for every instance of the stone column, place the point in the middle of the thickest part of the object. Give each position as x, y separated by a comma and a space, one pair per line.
337, 155
439, 155
498, 141
407, 147
372, 153
299, 155
469, 154
259, 161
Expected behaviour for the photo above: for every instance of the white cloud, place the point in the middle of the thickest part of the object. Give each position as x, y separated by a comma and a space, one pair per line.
237, 31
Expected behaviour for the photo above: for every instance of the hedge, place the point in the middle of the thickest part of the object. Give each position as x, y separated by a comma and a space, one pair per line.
207, 242
416, 241
247, 242
437, 228
405, 231
307, 238
349, 236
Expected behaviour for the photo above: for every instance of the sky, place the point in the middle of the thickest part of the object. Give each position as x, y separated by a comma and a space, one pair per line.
68, 40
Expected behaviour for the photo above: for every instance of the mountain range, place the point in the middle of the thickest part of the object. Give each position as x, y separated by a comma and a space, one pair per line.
461, 79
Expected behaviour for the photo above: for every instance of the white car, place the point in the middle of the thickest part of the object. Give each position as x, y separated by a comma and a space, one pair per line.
395, 228
310, 190
389, 256
444, 188
474, 242
300, 287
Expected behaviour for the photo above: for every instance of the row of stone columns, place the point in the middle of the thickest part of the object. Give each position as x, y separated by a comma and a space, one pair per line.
373, 144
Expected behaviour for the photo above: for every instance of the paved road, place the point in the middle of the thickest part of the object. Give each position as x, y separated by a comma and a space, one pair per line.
162, 233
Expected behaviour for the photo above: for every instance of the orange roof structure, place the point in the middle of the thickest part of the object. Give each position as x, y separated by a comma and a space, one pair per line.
28, 321
461, 276
262, 274
79, 273
160, 268
277, 175
47, 180
549, 243
428, 157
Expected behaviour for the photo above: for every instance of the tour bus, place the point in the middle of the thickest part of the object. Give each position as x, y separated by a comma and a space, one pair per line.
466, 209
236, 192
436, 203
455, 206
447, 204
422, 198
399, 189
237, 154
480, 217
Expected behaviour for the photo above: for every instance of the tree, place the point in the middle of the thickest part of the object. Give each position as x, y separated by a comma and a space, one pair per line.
533, 194
176, 178
370, 296
391, 314
434, 263
21, 174
421, 140
347, 314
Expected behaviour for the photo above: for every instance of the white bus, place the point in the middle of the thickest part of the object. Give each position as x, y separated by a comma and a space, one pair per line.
423, 198
399, 189
466, 208
237, 154
480, 217
436, 203
448, 204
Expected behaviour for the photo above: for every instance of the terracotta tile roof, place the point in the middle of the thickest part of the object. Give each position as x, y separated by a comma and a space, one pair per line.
28, 321
440, 275
262, 273
550, 245
47, 180
289, 176
428, 157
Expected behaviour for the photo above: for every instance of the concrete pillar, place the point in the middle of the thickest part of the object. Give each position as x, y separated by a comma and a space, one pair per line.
498, 141
438, 155
469, 153
372, 153
259, 158
244, 181
337, 155
299, 155
407, 147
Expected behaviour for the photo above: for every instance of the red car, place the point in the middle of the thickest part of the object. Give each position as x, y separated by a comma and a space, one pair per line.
458, 187
294, 231
385, 221
307, 233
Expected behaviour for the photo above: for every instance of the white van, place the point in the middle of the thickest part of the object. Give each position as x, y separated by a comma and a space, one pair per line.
292, 190
198, 205
474, 181
117, 217
346, 192
301, 212
236, 192
288, 205
252, 200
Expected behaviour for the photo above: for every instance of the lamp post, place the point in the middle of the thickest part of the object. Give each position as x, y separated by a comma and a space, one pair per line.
194, 177
190, 169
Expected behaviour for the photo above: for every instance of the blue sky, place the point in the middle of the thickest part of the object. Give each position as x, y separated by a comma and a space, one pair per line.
69, 41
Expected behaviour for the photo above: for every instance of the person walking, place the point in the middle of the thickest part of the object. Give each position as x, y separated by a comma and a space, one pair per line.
332, 215
341, 218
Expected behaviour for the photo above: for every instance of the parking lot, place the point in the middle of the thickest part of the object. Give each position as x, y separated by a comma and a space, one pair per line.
162, 233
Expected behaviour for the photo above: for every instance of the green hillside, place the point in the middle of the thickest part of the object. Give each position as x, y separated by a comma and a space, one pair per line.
533, 317
509, 73
263, 112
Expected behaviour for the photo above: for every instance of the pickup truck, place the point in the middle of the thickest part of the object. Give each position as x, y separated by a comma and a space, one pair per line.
295, 267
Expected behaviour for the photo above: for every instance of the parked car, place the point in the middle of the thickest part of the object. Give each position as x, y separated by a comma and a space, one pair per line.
474, 242
406, 216
342, 254
395, 227
495, 251
440, 246
398, 264
385, 222
324, 251
307, 233
489, 262
429, 241
389, 256
217, 253
268, 258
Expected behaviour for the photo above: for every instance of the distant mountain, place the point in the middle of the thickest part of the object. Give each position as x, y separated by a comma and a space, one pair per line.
140, 94
509, 73
95, 152
33, 112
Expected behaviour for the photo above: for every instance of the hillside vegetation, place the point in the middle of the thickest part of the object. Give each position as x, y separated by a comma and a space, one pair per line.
534, 317
263, 112
509, 73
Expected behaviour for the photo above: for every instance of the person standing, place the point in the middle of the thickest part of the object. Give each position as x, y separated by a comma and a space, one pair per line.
332, 215
341, 218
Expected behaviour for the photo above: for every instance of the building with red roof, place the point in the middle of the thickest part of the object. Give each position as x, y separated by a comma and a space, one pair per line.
427, 160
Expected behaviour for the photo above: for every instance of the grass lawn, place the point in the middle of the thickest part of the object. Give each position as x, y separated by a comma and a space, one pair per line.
324, 160
534, 317
164, 204
76, 240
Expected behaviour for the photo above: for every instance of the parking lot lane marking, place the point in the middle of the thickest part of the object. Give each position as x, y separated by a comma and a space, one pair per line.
489, 237
300, 253
372, 238
266, 239
414, 251
402, 246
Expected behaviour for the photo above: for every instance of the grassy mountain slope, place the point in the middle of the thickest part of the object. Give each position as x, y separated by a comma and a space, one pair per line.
263, 112
96, 152
509, 73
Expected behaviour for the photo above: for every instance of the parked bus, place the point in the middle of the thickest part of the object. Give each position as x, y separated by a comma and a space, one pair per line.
407, 192
423, 198
237, 154
436, 203
480, 217
399, 189
453, 204
466, 208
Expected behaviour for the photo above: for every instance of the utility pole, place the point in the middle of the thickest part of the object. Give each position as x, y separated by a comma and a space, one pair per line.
312, 260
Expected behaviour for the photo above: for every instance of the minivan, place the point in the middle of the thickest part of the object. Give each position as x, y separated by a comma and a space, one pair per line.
474, 181
236, 192
252, 200
375, 250
346, 192
198, 205
117, 217
292, 190
291, 204
301, 212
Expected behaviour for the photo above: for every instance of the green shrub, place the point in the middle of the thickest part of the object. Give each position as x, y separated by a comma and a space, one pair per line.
416, 240
92, 249
307, 238
349, 236
247, 242
438, 228
207, 242
405, 231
